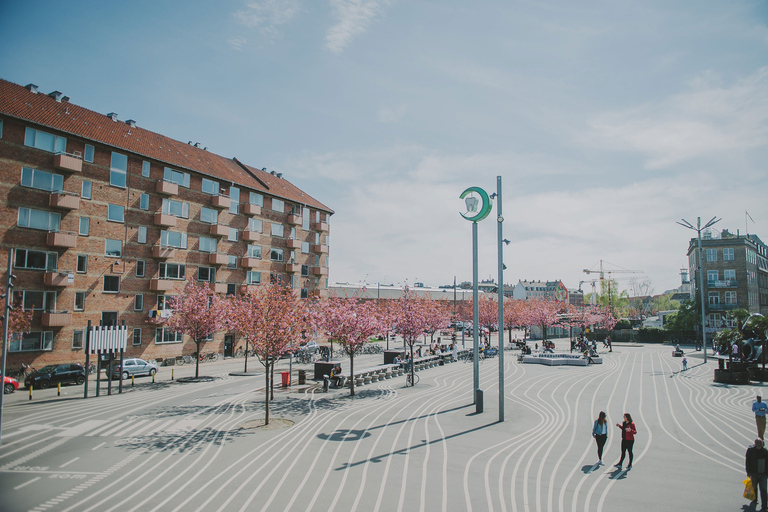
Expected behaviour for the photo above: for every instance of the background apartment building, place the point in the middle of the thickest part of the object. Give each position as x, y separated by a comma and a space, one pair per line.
109, 219
735, 275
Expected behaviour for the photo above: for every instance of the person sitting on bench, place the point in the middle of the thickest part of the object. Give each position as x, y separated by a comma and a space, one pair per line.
336, 375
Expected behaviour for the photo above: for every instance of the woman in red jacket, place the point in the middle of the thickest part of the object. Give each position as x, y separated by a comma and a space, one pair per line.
628, 432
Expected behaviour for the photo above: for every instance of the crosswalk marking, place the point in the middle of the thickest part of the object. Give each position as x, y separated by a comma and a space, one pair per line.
81, 428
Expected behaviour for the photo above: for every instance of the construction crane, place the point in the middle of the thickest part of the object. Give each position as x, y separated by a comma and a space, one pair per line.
593, 298
609, 272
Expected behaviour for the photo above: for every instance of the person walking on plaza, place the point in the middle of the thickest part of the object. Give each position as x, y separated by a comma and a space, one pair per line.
628, 431
600, 433
757, 469
685, 363
760, 408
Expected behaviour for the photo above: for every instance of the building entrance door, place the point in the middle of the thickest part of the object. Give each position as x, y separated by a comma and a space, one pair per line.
229, 344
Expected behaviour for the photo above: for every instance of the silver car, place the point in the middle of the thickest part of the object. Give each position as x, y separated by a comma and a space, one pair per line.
132, 366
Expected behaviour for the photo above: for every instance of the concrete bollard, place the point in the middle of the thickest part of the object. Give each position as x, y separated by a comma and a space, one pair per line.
478, 401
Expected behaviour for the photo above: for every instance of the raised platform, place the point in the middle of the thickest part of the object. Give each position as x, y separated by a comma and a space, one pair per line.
560, 359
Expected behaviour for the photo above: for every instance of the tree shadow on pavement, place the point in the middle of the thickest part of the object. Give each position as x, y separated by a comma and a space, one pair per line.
184, 441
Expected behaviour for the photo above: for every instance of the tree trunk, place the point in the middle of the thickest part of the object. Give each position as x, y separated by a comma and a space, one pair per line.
197, 360
351, 374
266, 398
272, 380
245, 366
413, 366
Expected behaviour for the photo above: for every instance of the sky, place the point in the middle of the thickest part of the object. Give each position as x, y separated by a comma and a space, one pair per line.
608, 121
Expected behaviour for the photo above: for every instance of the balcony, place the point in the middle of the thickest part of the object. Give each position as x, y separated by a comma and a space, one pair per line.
292, 243
729, 283
721, 307
220, 202
319, 293
320, 226
292, 268
56, 319
61, 278
249, 288
161, 251
161, 285
321, 248
294, 220
251, 236
251, 209
64, 200
320, 271
68, 162
164, 219
62, 239
250, 262
219, 230
218, 259
220, 287
167, 188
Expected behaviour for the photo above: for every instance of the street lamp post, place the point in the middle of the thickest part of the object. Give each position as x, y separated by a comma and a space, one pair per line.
714, 220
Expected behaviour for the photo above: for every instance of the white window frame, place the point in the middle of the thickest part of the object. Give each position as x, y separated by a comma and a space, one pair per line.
231, 262
141, 264
26, 216
256, 199
133, 336
210, 187
176, 208
142, 235
232, 237
88, 153
278, 205
48, 297
45, 343
84, 259
144, 202
253, 277
208, 244
255, 224
163, 333
30, 176
728, 254
138, 302
209, 215
111, 280
118, 176
254, 251
167, 237
51, 259
145, 168
112, 242
177, 177
77, 339
174, 271
211, 274
115, 213
86, 189
277, 230
275, 254
32, 139
84, 226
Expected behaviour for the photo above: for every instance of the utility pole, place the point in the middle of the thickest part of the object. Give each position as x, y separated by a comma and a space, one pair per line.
6, 322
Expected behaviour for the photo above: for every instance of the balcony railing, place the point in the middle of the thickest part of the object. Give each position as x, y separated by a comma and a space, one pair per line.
218, 259
220, 201
728, 283
72, 162
320, 271
251, 209
167, 188
59, 278
65, 200
721, 307
161, 285
321, 248
250, 262
320, 226
163, 252
56, 319
165, 219
251, 236
219, 230
294, 220
292, 243
62, 239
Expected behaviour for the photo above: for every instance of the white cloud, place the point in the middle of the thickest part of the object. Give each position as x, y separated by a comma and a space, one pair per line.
268, 15
391, 114
354, 16
237, 42
705, 120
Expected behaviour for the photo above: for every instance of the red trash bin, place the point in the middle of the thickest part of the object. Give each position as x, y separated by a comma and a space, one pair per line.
286, 378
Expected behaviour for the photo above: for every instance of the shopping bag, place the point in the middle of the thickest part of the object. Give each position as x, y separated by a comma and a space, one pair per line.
749, 491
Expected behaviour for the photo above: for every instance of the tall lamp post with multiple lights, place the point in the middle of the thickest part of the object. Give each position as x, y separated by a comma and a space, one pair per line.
714, 220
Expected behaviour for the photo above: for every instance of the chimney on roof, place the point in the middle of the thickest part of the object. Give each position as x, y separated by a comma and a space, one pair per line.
112, 116
197, 144
32, 88
273, 173
65, 99
279, 175
131, 123
56, 95
264, 169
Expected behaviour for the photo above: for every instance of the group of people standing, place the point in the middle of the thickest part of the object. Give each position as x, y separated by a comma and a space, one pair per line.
628, 431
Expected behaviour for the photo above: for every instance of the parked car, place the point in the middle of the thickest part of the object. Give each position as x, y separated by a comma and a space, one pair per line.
52, 374
10, 385
132, 366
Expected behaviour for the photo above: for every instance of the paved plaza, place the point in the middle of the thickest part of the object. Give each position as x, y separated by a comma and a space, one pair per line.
177, 446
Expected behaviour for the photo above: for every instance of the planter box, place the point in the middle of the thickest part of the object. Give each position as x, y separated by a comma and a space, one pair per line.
729, 377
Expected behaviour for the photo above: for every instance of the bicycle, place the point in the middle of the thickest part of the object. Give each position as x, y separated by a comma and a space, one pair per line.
212, 356
179, 361
239, 353
188, 359
92, 369
411, 380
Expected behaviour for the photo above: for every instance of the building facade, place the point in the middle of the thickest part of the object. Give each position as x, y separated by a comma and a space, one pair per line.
550, 290
108, 219
735, 269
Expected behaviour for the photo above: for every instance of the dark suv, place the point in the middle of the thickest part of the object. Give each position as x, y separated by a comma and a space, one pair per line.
53, 374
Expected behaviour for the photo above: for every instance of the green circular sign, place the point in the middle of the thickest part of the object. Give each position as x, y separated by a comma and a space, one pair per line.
477, 214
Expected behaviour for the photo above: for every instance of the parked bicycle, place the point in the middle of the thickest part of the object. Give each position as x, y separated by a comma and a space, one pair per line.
411, 380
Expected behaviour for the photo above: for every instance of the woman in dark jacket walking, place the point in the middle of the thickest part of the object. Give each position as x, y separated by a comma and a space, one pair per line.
600, 433
628, 432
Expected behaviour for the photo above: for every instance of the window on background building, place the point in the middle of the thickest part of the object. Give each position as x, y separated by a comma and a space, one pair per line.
111, 284
145, 169
231, 262
176, 208
173, 239
113, 248
77, 340
163, 335
138, 302
305, 270
172, 271
163, 302
136, 338
88, 153
38, 219
256, 198
276, 254
728, 254
232, 235
118, 170
32, 341
144, 202
206, 274
231, 289
41, 180
109, 318
712, 276
253, 277
304, 293
79, 301
234, 200
277, 229
115, 213
142, 237
85, 226
255, 225
35, 260
278, 205
35, 301
140, 268
85, 189
711, 254
209, 215
210, 187
714, 298
177, 177
254, 251
82, 263
45, 141
729, 274
207, 244
730, 297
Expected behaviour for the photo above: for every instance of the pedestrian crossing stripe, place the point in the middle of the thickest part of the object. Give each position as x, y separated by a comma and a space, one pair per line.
133, 427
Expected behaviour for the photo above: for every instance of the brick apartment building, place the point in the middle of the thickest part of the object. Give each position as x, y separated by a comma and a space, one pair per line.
735, 275
108, 219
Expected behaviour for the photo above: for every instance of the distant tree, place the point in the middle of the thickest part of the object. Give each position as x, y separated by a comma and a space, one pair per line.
740, 315
545, 314
639, 305
686, 318
197, 313
19, 320
412, 317
664, 303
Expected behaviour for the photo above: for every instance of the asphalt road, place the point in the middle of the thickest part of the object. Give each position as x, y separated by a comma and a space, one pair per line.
179, 445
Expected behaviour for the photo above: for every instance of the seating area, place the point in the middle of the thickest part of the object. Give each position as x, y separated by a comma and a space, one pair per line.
551, 359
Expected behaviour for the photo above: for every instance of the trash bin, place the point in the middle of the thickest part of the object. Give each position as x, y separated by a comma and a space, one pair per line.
302, 376
286, 378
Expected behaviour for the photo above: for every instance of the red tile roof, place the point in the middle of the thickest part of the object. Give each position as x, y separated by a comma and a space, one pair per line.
19, 102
